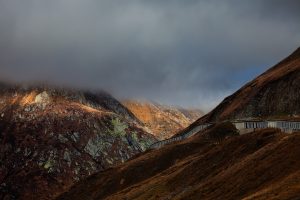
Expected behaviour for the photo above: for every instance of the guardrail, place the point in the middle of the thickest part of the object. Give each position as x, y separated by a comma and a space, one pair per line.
285, 126
181, 137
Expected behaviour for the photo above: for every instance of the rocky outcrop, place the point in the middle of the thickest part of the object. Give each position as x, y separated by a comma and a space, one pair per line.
51, 138
161, 120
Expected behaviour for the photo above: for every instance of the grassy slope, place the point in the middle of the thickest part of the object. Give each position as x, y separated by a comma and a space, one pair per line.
261, 165
272, 94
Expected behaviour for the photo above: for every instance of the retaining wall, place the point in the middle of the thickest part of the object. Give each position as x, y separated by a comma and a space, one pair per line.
242, 126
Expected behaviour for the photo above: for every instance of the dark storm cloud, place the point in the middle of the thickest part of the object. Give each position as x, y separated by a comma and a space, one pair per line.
179, 52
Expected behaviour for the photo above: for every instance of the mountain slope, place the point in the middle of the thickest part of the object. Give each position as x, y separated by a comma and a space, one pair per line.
51, 138
260, 165
275, 93
163, 121
217, 164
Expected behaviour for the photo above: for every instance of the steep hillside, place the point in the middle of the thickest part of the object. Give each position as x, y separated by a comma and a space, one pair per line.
214, 165
274, 94
217, 164
51, 138
163, 121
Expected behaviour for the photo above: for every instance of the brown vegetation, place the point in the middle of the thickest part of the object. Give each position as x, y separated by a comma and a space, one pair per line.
275, 93
259, 165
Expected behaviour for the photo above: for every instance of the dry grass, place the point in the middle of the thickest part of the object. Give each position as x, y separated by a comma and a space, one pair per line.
260, 165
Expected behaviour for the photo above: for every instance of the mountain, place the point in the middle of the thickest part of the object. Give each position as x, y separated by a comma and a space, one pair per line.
217, 164
273, 94
51, 138
162, 120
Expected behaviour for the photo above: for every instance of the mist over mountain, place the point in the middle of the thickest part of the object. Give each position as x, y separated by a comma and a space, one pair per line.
189, 53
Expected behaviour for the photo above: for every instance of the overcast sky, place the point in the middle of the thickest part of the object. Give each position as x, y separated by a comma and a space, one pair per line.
184, 52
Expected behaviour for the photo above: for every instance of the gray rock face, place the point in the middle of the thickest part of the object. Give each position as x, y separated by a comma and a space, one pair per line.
106, 101
42, 98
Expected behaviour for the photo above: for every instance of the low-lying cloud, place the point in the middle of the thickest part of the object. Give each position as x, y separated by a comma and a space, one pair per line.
191, 53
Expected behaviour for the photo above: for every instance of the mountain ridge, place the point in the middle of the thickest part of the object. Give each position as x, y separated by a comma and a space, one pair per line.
162, 120
232, 106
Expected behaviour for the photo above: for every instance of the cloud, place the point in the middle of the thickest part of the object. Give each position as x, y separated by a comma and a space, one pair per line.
191, 53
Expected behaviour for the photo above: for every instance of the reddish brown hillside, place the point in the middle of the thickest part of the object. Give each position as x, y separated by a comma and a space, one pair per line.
163, 121
275, 93
260, 165
51, 138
